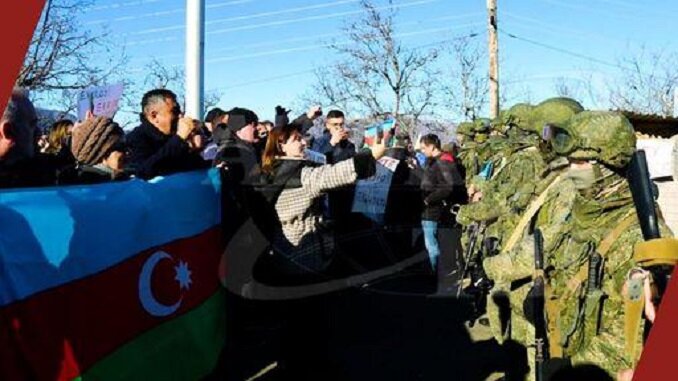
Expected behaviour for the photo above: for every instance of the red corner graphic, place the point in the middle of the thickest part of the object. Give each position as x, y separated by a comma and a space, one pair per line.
658, 360
16, 31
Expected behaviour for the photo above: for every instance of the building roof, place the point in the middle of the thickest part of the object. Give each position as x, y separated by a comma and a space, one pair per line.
653, 125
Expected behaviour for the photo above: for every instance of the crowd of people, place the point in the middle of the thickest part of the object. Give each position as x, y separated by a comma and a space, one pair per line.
553, 168
298, 204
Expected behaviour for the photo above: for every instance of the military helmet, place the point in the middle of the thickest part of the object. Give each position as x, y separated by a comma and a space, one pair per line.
605, 136
555, 111
519, 115
466, 129
478, 126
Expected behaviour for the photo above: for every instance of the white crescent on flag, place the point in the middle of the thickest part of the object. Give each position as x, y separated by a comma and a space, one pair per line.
148, 300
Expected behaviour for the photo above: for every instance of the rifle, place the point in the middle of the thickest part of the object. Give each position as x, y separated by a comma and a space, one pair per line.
657, 255
643, 195
474, 231
538, 318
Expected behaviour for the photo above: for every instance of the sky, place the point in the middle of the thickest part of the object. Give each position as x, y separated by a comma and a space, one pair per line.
261, 53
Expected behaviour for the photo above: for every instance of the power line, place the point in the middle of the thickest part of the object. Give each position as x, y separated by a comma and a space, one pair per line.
301, 39
307, 71
283, 11
152, 14
310, 38
319, 17
121, 5
588, 9
227, 3
222, 20
283, 22
550, 27
561, 50
581, 56
327, 45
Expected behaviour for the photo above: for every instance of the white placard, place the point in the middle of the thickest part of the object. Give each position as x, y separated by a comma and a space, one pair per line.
105, 100
371, 194
659, 154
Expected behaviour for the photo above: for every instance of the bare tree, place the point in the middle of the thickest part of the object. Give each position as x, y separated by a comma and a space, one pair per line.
647, 82
468, 90
376, 74
60, 54
565, 88
161, 76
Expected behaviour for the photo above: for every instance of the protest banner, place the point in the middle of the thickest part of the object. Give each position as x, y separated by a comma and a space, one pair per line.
103, 100
371, 194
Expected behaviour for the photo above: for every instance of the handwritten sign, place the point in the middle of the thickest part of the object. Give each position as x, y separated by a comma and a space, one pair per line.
104, 100
371, 194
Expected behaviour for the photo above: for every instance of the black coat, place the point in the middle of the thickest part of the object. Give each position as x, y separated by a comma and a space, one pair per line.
89, 174
442, 186
153, 153
39, 171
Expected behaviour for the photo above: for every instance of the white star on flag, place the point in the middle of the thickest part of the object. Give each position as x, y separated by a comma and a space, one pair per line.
183, 275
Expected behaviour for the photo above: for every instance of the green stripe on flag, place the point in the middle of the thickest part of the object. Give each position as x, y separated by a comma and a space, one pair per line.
185, 348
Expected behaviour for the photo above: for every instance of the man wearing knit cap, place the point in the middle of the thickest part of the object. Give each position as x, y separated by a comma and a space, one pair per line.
160, 145
99, 149
236, 146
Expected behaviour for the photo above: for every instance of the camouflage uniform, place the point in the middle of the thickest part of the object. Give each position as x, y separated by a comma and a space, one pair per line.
598, 208
521, 165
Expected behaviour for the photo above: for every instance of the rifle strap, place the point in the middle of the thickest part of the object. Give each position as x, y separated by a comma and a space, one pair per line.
502, 165
634, 305
552, 313
527, 216
660, 251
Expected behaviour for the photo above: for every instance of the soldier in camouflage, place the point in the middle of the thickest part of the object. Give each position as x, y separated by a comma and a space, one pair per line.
601, 220
528, 172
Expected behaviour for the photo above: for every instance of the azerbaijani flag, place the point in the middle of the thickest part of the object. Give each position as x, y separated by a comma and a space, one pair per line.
112, 282
372, 131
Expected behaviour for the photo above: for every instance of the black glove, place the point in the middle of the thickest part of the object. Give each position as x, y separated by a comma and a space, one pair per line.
281, 118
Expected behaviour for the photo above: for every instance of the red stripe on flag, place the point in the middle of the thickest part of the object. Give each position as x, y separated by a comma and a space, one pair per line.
658, 359
16, 30
61, 332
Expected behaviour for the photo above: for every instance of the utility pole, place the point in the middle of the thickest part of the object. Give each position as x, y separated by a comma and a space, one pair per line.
494, 58
195, 57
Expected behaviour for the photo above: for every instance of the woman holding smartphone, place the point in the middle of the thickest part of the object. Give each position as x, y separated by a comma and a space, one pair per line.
295, 187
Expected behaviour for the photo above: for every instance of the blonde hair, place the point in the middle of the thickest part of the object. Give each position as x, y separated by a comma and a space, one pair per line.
58, 135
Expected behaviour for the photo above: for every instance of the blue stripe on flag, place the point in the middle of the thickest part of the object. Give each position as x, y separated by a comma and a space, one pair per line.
52, 236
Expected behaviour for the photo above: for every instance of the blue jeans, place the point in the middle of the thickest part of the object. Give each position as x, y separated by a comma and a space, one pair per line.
431, 241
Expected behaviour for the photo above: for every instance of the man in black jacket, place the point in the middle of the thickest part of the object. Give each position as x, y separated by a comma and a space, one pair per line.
442, 186
161, 145
20, 164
